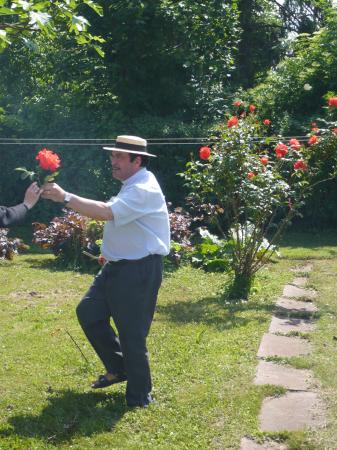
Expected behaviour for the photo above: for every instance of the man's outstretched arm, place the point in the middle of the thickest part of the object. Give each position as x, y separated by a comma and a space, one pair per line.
86, 207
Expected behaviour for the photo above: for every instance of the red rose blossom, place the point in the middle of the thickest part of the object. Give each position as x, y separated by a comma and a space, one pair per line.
232, 121
48, 160
300, 165
266, 122
251, 175
238, 103
334, 130
252, 108
204, 152
264, 160
313, 140
294, 144
281, 150
332, 101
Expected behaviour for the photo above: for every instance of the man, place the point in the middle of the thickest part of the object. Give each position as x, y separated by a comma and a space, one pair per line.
136, 235
15, 214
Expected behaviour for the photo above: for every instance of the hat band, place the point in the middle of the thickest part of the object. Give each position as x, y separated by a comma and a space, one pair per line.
126, 146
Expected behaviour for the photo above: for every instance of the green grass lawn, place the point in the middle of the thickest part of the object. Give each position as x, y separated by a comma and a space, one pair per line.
202, 350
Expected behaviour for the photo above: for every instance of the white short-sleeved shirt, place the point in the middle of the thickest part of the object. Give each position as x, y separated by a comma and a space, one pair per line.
140, 226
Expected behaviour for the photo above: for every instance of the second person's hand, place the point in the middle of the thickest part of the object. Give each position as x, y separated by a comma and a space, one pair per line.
32, 195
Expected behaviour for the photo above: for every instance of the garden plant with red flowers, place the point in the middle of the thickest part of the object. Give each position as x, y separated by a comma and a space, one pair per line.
252, 184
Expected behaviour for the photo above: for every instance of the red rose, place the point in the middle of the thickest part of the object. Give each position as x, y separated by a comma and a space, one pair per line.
332, 101
314, 129
237, 104
204, 152
300, 165
264, 160
48, 160
266, 122
252, 108
251, 175
334, 130
294, 143
281, 150
232, 121
313, 140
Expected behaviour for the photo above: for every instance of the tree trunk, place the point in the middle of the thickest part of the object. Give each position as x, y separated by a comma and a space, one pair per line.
240, 287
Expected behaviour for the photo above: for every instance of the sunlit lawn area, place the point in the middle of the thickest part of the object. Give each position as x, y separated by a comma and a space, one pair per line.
202, 349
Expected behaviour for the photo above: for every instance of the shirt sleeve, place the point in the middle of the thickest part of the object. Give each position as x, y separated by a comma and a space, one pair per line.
130, 205
13, 215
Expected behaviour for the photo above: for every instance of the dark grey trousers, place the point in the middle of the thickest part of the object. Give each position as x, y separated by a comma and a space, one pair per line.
125, 291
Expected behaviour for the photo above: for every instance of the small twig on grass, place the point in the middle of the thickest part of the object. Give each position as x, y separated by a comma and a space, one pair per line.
78, 347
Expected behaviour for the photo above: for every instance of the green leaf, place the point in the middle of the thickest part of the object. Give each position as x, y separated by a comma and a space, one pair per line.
99, 50
97, 8
51, 177
40, 5
7, 11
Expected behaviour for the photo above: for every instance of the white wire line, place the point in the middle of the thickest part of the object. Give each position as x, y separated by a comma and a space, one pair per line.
151, 141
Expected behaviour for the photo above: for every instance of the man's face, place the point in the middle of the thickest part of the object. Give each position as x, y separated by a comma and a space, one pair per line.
122, 167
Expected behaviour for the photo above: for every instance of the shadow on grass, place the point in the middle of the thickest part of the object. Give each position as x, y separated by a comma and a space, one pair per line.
217, 312
54, 266
70, 413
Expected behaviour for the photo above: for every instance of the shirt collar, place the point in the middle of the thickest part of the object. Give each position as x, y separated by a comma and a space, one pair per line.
135, 177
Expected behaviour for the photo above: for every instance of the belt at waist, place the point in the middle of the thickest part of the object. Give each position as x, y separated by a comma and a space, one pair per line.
132, 261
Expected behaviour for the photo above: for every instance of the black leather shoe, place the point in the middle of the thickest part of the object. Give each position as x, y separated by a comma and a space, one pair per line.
103, 382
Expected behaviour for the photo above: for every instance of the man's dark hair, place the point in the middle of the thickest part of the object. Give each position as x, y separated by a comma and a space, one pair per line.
145, 159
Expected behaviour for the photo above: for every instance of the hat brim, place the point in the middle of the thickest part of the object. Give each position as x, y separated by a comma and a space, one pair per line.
115, 149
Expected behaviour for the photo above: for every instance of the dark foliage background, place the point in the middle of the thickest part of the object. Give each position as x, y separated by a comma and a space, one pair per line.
171, 69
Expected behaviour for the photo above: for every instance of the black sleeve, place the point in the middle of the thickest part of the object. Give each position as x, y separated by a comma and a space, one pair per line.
12, 216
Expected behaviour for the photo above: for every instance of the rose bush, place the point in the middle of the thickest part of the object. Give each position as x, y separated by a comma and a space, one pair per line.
255, 184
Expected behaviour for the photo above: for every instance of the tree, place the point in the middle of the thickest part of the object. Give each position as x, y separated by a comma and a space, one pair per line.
265, 26
22, 20
302, 16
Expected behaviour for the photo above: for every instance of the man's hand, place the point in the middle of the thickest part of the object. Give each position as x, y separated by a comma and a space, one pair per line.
53, 191
32, 195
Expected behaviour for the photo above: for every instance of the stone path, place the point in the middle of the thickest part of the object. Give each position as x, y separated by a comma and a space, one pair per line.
300, 407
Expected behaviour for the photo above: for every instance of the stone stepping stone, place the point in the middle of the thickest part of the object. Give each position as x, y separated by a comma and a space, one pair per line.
304, 268
287, 306
298, 292
273, 345
250, 444
293, 411
299, 281
282, 375
288, 324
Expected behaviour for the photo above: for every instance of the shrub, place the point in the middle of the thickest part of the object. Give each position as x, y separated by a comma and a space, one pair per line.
180, 226
252, 187
10, 247
69, 237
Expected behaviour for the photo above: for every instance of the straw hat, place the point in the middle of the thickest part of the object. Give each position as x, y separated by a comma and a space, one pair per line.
130, 144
